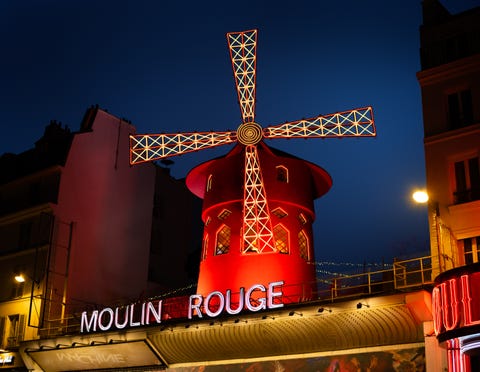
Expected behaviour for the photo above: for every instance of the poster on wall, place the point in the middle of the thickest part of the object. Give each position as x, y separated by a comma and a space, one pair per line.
405, 360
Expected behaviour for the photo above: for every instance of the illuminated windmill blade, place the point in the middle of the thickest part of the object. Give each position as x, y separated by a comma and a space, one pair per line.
243, 47
257, 224
150, 147
352, 123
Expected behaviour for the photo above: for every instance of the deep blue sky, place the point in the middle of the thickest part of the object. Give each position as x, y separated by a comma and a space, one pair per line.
165, 66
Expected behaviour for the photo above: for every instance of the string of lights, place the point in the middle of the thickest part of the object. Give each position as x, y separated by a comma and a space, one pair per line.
353, 264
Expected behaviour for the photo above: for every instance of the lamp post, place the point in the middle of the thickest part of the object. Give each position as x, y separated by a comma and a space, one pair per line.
422, 197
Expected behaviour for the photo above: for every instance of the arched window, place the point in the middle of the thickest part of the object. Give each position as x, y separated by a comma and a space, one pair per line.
224, 214
205, 247
302, 219
279, 212
209, 182
223, 240
303, 246
282, 173
280, 234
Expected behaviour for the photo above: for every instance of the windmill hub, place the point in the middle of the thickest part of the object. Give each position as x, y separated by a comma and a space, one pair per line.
249, 133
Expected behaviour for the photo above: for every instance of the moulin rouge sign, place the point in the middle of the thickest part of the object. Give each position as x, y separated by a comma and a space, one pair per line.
456, 301
256, 298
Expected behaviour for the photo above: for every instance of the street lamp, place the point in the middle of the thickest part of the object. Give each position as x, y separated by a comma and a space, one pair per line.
420, 196
442, 234
20, 278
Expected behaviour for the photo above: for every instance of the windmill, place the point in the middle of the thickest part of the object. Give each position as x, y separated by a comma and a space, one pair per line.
248, 204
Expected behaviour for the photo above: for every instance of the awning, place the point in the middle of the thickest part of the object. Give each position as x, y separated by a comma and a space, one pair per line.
78, 357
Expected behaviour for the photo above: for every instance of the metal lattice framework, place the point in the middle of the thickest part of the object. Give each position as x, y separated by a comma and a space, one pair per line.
243, 51
257, 227
257, 224
149, 147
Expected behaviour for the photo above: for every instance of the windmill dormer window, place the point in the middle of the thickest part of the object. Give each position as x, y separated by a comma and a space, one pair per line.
223, 240
302, 219
209, 182
224, 214
282, 173
205, 247
280, 235
303, 245
279, 212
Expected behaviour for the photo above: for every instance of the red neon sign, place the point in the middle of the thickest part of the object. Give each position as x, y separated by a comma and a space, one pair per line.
456, 303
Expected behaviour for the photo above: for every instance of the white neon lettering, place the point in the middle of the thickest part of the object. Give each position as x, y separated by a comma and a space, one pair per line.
110, 321
228, 302
261, 300
256, 298
156, 315
124, 324
220, 305
142, 318
132, 323
85, 325
272, 294
195, 302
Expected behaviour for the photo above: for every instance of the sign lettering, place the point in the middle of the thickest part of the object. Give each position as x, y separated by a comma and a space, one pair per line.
256, 298
456, 303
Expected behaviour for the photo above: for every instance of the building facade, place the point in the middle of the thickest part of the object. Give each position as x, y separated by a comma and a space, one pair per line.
450, 86
79, 228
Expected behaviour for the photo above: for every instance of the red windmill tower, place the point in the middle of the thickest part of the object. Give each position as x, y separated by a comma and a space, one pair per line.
258, 201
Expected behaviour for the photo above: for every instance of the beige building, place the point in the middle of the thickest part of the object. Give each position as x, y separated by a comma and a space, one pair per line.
450, 85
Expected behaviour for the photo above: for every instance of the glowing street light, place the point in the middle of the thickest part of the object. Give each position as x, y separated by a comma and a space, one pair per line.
420, 196
20, 278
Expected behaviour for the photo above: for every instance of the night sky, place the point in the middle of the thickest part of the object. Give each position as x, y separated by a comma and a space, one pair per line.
165, 66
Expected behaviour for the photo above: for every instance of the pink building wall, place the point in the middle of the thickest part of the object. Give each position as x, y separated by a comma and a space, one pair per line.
110, 206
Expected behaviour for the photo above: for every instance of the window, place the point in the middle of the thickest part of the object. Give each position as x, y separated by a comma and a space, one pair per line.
280, 234
282, 174
17, 289
25, 234
224, 214
209, 182
223, 240
303, 245
302, 219
471, 250
467, 180
279, 212
205, 247
16, 327
460, 109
